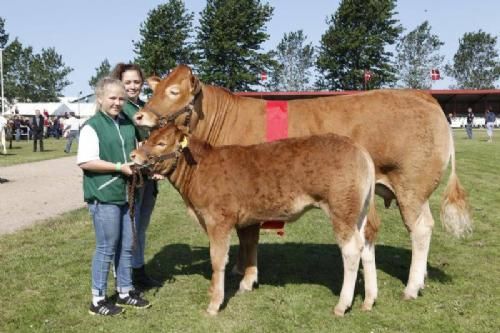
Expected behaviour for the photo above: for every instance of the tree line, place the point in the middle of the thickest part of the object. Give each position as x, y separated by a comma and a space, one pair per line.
225, 49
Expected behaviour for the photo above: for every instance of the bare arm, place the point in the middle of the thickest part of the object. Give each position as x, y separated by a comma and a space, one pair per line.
102, 166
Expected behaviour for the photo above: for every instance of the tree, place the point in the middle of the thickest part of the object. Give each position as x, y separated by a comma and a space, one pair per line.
355, 41
103, 70
4, 37
294, 59
417, 55
16, 62
229, 39
476, 64
164, 42
31, 77
48, 75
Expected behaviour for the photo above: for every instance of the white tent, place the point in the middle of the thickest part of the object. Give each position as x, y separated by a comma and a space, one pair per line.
83, 110
28, 109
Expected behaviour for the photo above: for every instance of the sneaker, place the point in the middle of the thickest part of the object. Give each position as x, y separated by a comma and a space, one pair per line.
133, 300
104, 308
143, 281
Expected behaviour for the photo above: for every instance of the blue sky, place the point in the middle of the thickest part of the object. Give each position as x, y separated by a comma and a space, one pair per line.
87, 32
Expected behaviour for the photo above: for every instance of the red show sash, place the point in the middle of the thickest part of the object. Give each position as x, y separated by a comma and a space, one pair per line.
276, 128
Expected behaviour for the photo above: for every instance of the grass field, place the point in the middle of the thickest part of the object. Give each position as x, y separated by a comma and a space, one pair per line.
45, 272
22, 151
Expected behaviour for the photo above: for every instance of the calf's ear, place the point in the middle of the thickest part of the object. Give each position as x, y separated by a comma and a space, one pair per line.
153, 82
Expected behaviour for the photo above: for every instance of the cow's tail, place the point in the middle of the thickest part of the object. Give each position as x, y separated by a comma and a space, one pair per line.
455, 210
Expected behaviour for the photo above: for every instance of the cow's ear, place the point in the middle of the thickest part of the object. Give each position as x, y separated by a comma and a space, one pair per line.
153, 82
195, 85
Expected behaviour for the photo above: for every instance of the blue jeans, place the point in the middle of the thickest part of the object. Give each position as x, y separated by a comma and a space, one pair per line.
146, 196
113, 234
72, 135
468, 129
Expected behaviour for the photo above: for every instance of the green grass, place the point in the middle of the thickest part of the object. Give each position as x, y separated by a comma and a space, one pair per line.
45, 272
22, 151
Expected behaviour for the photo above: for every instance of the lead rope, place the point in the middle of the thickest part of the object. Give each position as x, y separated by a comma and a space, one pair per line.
134, 181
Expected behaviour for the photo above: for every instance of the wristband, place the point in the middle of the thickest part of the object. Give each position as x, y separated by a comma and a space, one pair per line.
118, 166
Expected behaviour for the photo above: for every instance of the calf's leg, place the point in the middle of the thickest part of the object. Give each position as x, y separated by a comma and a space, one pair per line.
351, 253
219, 236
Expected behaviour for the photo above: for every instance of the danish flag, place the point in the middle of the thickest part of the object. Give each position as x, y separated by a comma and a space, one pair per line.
368, 75
435, 74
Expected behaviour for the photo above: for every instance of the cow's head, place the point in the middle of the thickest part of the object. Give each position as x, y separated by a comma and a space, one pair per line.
161, 150
171, 96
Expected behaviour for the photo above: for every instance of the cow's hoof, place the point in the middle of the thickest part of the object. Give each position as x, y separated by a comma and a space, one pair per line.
212, 311
339, 311
408, 296
367, 305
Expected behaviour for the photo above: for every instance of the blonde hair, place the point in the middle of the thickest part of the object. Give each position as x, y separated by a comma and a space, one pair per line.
103, 84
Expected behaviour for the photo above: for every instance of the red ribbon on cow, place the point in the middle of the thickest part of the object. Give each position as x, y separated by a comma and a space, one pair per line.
277, 120
276, 128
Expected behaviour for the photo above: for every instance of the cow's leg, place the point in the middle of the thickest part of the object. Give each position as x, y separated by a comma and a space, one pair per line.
219, 236
249, 239
420, 233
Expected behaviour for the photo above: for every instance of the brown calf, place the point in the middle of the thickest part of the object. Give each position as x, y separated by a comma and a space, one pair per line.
240, 186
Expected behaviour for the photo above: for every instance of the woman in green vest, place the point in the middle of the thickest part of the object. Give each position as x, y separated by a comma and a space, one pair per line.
133, 79
104, 147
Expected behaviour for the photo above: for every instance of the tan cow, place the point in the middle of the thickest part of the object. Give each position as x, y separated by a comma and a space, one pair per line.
239, 186
405, 132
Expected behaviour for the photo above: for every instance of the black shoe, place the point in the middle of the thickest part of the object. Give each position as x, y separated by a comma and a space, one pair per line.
104, 308
133, 300
141, 280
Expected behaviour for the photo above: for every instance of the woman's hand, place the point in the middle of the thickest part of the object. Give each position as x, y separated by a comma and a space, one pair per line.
126, 168
157, 176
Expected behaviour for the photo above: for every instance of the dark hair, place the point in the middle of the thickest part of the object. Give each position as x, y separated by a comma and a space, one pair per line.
121, 68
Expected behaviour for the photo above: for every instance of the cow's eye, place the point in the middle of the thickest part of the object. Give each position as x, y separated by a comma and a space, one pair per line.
161, 144
174, 91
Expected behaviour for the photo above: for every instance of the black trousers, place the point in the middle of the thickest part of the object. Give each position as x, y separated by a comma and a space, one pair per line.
38, 136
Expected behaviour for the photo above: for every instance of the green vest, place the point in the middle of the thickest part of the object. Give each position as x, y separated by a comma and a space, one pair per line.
116, 141
130, 109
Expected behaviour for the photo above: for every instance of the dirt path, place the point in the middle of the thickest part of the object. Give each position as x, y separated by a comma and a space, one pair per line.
37, 191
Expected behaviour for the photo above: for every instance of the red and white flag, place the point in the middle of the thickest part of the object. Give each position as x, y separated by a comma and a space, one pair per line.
435, 75
367, 75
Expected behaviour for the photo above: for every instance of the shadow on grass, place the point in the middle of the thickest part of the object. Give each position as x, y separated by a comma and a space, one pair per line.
282, 264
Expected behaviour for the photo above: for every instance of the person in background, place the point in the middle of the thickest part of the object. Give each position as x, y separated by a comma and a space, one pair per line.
470, 121
17, 127
105, 144
72, 126
133, 79
490, 119
37, 130
46, 124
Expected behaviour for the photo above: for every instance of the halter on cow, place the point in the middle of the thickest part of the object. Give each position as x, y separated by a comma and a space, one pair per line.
405, 132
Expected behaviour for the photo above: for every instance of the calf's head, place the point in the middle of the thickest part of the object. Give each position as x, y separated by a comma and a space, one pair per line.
161, 150
170, 95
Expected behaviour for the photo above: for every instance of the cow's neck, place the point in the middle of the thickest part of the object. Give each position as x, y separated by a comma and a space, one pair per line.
220, 111
184, 172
